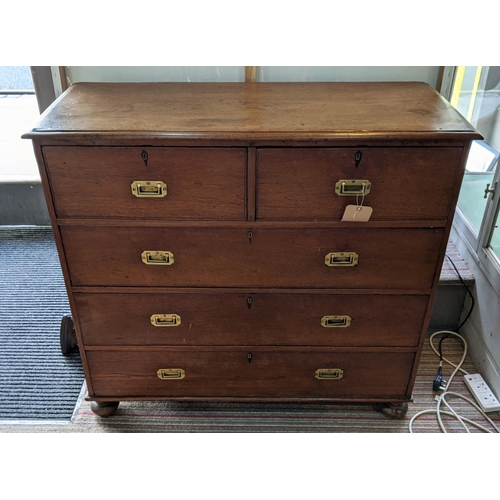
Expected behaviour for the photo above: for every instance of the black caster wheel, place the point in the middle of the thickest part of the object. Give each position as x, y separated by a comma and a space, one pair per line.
68, 335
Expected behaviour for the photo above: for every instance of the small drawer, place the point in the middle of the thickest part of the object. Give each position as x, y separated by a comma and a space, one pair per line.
151, 182
281, 258
250, 372
318, 183
226, 318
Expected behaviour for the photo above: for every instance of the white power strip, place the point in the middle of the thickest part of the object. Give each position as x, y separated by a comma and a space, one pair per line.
482, 393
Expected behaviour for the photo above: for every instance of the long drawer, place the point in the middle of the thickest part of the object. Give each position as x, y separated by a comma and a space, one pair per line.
301, 183
250, 319
249, 372
199, 183
301, 258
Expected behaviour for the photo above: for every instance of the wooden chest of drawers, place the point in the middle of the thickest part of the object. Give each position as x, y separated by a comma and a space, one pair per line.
201, 235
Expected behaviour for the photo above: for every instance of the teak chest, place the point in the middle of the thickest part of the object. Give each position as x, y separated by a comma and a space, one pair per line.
206, 245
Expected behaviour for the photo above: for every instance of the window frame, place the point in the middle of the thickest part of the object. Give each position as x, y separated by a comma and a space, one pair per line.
478, 243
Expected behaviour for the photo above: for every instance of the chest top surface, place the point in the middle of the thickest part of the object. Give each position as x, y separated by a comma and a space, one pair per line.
211, 111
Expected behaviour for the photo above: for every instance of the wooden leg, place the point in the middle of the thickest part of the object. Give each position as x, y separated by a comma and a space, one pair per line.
104, 409
392, 410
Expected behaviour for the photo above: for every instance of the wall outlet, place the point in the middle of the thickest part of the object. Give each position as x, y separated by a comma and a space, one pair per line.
481, 392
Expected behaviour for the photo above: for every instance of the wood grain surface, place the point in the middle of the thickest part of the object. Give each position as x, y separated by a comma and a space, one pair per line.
202, 183
251, 213
271, 372
299, 184
253, 110
388, 258
266, 319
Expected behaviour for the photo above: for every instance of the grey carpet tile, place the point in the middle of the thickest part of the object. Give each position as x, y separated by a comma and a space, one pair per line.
36, 380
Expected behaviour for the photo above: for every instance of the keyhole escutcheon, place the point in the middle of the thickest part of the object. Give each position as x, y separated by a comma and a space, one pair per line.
145, 156
357, 158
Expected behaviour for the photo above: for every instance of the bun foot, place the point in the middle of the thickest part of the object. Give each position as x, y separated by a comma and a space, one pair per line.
104, 409
392, 410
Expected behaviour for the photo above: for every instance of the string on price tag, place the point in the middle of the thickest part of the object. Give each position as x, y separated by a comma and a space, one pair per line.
358, 212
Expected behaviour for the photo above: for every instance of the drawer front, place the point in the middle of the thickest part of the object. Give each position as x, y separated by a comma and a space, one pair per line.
388, 258
299, 184
201, 183
250, 319
271, 372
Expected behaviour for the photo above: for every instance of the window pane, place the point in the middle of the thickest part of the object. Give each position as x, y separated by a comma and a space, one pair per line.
495, 240
428, 74
155, 73
18, 112
476, 94
15, 78
480, 170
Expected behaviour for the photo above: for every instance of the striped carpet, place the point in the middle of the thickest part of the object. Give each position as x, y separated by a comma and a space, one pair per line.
181, 417
36, 380
448, 273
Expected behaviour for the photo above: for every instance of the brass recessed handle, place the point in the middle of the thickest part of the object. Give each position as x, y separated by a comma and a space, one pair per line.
335, 321
353, 187
329, 373
341, 259
157, 257
171, 373
149, 189
165, 320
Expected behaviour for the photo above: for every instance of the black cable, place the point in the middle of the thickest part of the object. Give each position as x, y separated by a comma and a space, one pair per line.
468, 314
467, 290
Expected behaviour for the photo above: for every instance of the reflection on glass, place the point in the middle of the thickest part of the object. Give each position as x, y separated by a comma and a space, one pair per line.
495, 240
476, 94
480, 169
155, 74
429, 74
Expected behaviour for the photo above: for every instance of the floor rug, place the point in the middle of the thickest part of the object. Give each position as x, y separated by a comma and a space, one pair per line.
36, 381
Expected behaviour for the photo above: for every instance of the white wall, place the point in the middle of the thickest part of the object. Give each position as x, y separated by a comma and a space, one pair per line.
482, 330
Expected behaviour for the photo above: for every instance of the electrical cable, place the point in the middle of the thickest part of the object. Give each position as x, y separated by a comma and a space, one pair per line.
470, 310
473, 303
458, 367
442, 397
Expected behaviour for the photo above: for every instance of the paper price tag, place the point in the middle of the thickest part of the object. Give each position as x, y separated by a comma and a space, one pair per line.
355, 213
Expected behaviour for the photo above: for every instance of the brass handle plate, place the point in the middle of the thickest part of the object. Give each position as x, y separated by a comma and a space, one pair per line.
165, 320
149, 189
341, 259
329, 373
171, 373
336, 321
157, 258
352, 187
